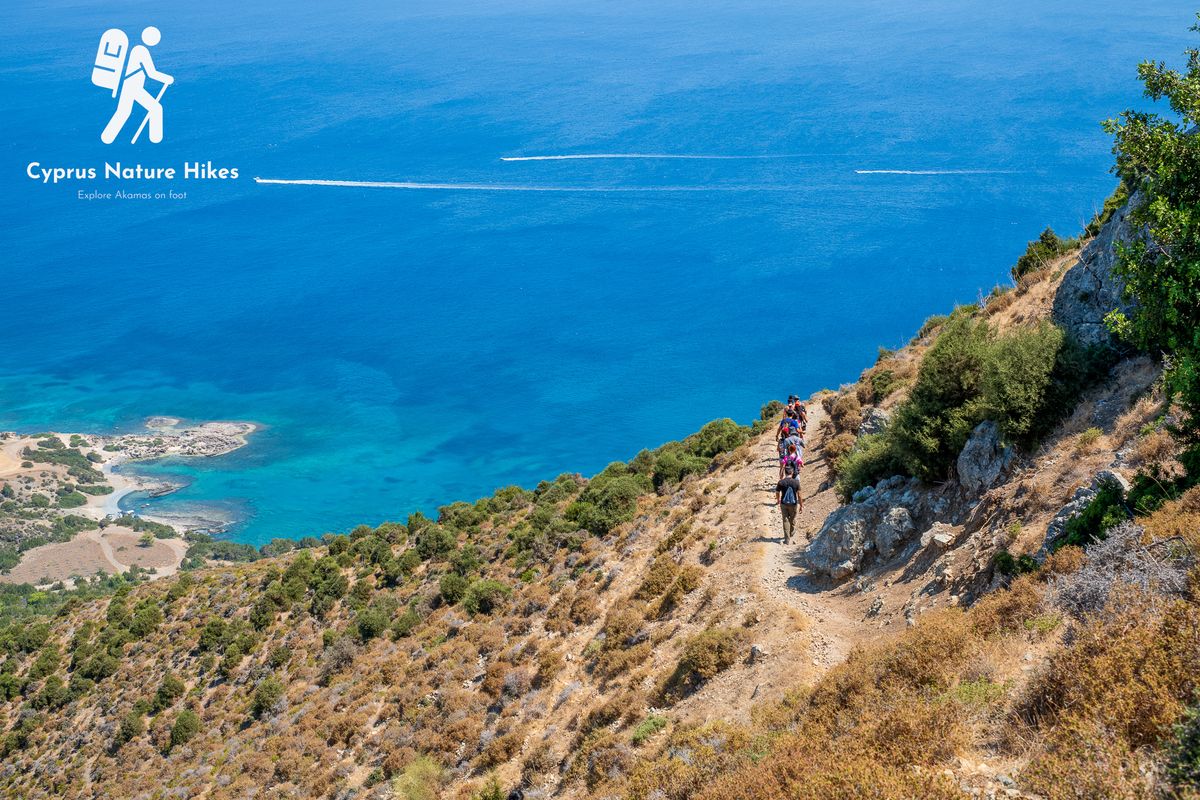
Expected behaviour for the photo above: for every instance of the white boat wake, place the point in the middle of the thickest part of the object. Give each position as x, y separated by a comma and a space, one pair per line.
501, 187
934, 172
679, 156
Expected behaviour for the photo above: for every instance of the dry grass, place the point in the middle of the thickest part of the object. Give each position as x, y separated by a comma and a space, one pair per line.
1118, 688
837, 447
1179, 518
846, 413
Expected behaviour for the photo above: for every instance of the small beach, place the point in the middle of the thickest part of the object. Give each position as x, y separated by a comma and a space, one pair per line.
45, 471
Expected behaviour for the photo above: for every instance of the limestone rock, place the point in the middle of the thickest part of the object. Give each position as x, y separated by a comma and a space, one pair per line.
878, 522
1090, 290
983, 459
940, 536
874, 421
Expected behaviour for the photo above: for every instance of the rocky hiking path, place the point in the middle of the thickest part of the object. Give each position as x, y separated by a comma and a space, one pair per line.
832, 620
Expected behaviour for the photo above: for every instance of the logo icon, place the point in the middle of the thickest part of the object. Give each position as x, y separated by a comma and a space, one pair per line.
125, 72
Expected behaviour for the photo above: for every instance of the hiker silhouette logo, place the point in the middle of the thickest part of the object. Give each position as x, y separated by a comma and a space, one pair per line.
125, 72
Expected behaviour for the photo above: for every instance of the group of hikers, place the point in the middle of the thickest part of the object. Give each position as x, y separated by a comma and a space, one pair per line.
790, 438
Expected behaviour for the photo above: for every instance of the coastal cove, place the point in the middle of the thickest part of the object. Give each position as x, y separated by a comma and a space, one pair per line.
617, 224
73, 505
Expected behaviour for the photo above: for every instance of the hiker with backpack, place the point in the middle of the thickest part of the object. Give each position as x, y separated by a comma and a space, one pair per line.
792, 460
791, 448
787, 497
787, 426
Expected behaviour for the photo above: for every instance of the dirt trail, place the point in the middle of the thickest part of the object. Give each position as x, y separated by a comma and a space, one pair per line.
835, 622
803, 627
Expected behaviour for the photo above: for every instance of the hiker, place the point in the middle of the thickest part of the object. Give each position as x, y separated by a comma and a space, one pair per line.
787, 426
801, 415
792, 460
787, 497
792, 443
133, 90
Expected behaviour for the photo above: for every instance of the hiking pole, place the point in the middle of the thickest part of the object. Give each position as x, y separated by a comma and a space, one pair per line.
146, 118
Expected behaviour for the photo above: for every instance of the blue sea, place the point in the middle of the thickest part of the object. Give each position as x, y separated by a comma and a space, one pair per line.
868, 163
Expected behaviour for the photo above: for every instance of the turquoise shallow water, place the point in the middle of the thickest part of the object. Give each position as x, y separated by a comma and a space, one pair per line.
408, 347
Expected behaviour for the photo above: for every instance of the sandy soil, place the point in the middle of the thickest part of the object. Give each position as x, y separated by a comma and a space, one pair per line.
112, 550
10, 456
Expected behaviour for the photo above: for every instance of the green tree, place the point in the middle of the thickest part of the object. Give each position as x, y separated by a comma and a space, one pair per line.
266, 695
452, 587
187, 725
130, 728
1159, 159
169, 690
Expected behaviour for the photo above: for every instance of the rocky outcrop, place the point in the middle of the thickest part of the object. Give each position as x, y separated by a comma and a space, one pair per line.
880, 519
984, 459
874, 421
883, 519
1079, 501
1090, 289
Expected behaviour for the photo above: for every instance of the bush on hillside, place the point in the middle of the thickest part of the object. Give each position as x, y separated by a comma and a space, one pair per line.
1159, 158
1105, 511
1025, 382
187, 725
452, 587
485, 596
268, 695
1118, 561
1015, 376
609, 499
770, 411
1040, 252
1183, 766
706, 655
435, 541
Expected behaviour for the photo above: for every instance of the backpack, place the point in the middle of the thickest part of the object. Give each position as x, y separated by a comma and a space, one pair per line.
789, 496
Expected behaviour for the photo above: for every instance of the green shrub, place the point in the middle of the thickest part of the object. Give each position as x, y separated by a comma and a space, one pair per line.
718, 436
609, 500
1016, 372
648, 728
771, 410
372, 622
405, 623
187, 725
452, 587
168, 692
1111, 204
485, 595
266, 695
870, 460
434, 541
1040, 252
1105, 511
706, 654
1159, 157
932, 324
1183, 749
1025, 382
945, 404
1011, 566
130, 728
421, 780
72, 500
883, 383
